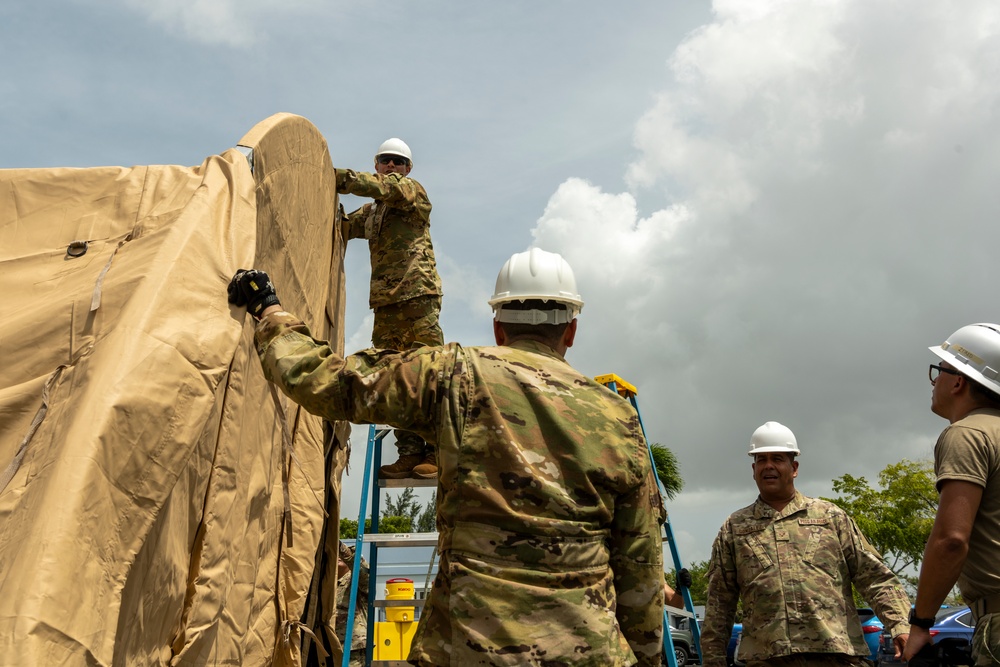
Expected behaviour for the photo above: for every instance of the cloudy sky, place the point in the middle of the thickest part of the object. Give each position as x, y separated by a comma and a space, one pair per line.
772, 207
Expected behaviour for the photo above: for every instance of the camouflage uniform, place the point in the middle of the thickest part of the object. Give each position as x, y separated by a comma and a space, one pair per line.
359, 637
969, 451
548, 510
405, 291
793, 570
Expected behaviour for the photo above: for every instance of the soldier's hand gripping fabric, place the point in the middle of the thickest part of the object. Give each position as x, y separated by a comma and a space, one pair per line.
253, 289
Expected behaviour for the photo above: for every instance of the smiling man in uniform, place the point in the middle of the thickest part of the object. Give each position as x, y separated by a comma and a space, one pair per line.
792, 561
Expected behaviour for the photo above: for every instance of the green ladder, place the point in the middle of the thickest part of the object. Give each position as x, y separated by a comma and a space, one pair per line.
629, 392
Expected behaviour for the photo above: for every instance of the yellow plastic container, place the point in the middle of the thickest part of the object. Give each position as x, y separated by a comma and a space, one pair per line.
393, 640
399, 589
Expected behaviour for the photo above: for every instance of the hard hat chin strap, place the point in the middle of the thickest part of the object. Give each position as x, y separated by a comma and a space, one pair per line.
533, 316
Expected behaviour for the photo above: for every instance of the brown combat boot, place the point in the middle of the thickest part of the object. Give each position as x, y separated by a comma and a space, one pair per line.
402, 468
427, 468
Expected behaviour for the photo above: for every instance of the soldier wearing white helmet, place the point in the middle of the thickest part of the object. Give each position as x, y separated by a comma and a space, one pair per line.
773, 437
548, 513
405, 292
964, 545
793, 560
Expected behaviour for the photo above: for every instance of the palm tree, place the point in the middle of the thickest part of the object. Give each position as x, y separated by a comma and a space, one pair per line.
667, 469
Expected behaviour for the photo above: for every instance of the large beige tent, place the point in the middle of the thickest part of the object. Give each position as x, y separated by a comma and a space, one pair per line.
151, 511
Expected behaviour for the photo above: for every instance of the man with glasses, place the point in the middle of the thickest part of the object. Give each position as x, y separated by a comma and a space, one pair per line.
964, 545
405, 292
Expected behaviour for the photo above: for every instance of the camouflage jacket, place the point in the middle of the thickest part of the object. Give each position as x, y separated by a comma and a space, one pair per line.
548, 510
359, 636
398, 228
793, 570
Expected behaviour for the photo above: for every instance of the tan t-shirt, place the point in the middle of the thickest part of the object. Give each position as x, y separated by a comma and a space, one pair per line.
969, 451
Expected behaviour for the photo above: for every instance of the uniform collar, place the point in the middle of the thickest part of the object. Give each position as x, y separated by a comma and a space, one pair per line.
537, 347
762, 510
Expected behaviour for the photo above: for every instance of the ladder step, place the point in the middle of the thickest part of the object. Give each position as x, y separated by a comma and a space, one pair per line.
674, 611
399, 603
408, 482
402, 539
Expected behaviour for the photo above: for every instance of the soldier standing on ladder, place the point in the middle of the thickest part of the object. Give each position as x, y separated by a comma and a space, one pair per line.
548, 509
405, 291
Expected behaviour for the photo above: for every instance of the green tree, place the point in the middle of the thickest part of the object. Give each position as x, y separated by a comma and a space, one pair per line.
349, 528
667, 469
401, 514
395, 524
427, 521
897, 516
405, 504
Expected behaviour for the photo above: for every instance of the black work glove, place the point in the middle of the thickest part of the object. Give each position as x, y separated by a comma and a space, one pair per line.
684, 578
253, 289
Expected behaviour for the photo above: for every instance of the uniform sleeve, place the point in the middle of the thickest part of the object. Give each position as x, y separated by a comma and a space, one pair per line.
402, 389
962, 454
875, 581
637, 563
390, 189
723, 596
354, 223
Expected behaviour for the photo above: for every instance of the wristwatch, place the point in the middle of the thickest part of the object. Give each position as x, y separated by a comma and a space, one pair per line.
925, 623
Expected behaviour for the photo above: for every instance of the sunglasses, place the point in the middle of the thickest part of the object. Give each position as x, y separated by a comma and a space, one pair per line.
397, 160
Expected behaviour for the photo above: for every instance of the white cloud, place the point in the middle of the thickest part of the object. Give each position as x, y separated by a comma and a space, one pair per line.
831, 167
362, 335
232, 23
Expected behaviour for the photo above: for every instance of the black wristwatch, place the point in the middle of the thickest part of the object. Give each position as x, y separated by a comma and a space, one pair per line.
925, 623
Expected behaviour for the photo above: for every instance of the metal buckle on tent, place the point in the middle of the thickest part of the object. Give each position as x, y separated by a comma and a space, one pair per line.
77, 249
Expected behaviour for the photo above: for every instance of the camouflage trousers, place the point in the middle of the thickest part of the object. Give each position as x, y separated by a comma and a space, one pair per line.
408, 324
403, 326
986, 641
812, 660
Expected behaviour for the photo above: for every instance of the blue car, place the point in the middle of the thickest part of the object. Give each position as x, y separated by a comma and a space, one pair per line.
733, 641
952, 634
872, 629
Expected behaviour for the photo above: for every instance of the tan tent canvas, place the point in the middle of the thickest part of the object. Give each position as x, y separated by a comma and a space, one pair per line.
151, 511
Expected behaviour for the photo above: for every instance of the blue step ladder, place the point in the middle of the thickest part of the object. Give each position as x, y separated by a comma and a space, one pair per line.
629, 392
376, 541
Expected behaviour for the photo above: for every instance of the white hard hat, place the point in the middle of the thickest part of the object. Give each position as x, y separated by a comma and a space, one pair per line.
773, 437
974, 351
536, 274
395, 146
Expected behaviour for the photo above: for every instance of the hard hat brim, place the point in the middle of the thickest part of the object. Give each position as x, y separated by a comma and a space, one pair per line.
768, 450
965, 369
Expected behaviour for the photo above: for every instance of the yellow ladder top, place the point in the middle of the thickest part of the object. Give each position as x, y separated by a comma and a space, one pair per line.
624, 388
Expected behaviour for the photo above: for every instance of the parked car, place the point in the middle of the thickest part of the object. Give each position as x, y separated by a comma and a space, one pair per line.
952, 633
872, 628
680, 635
734, 642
